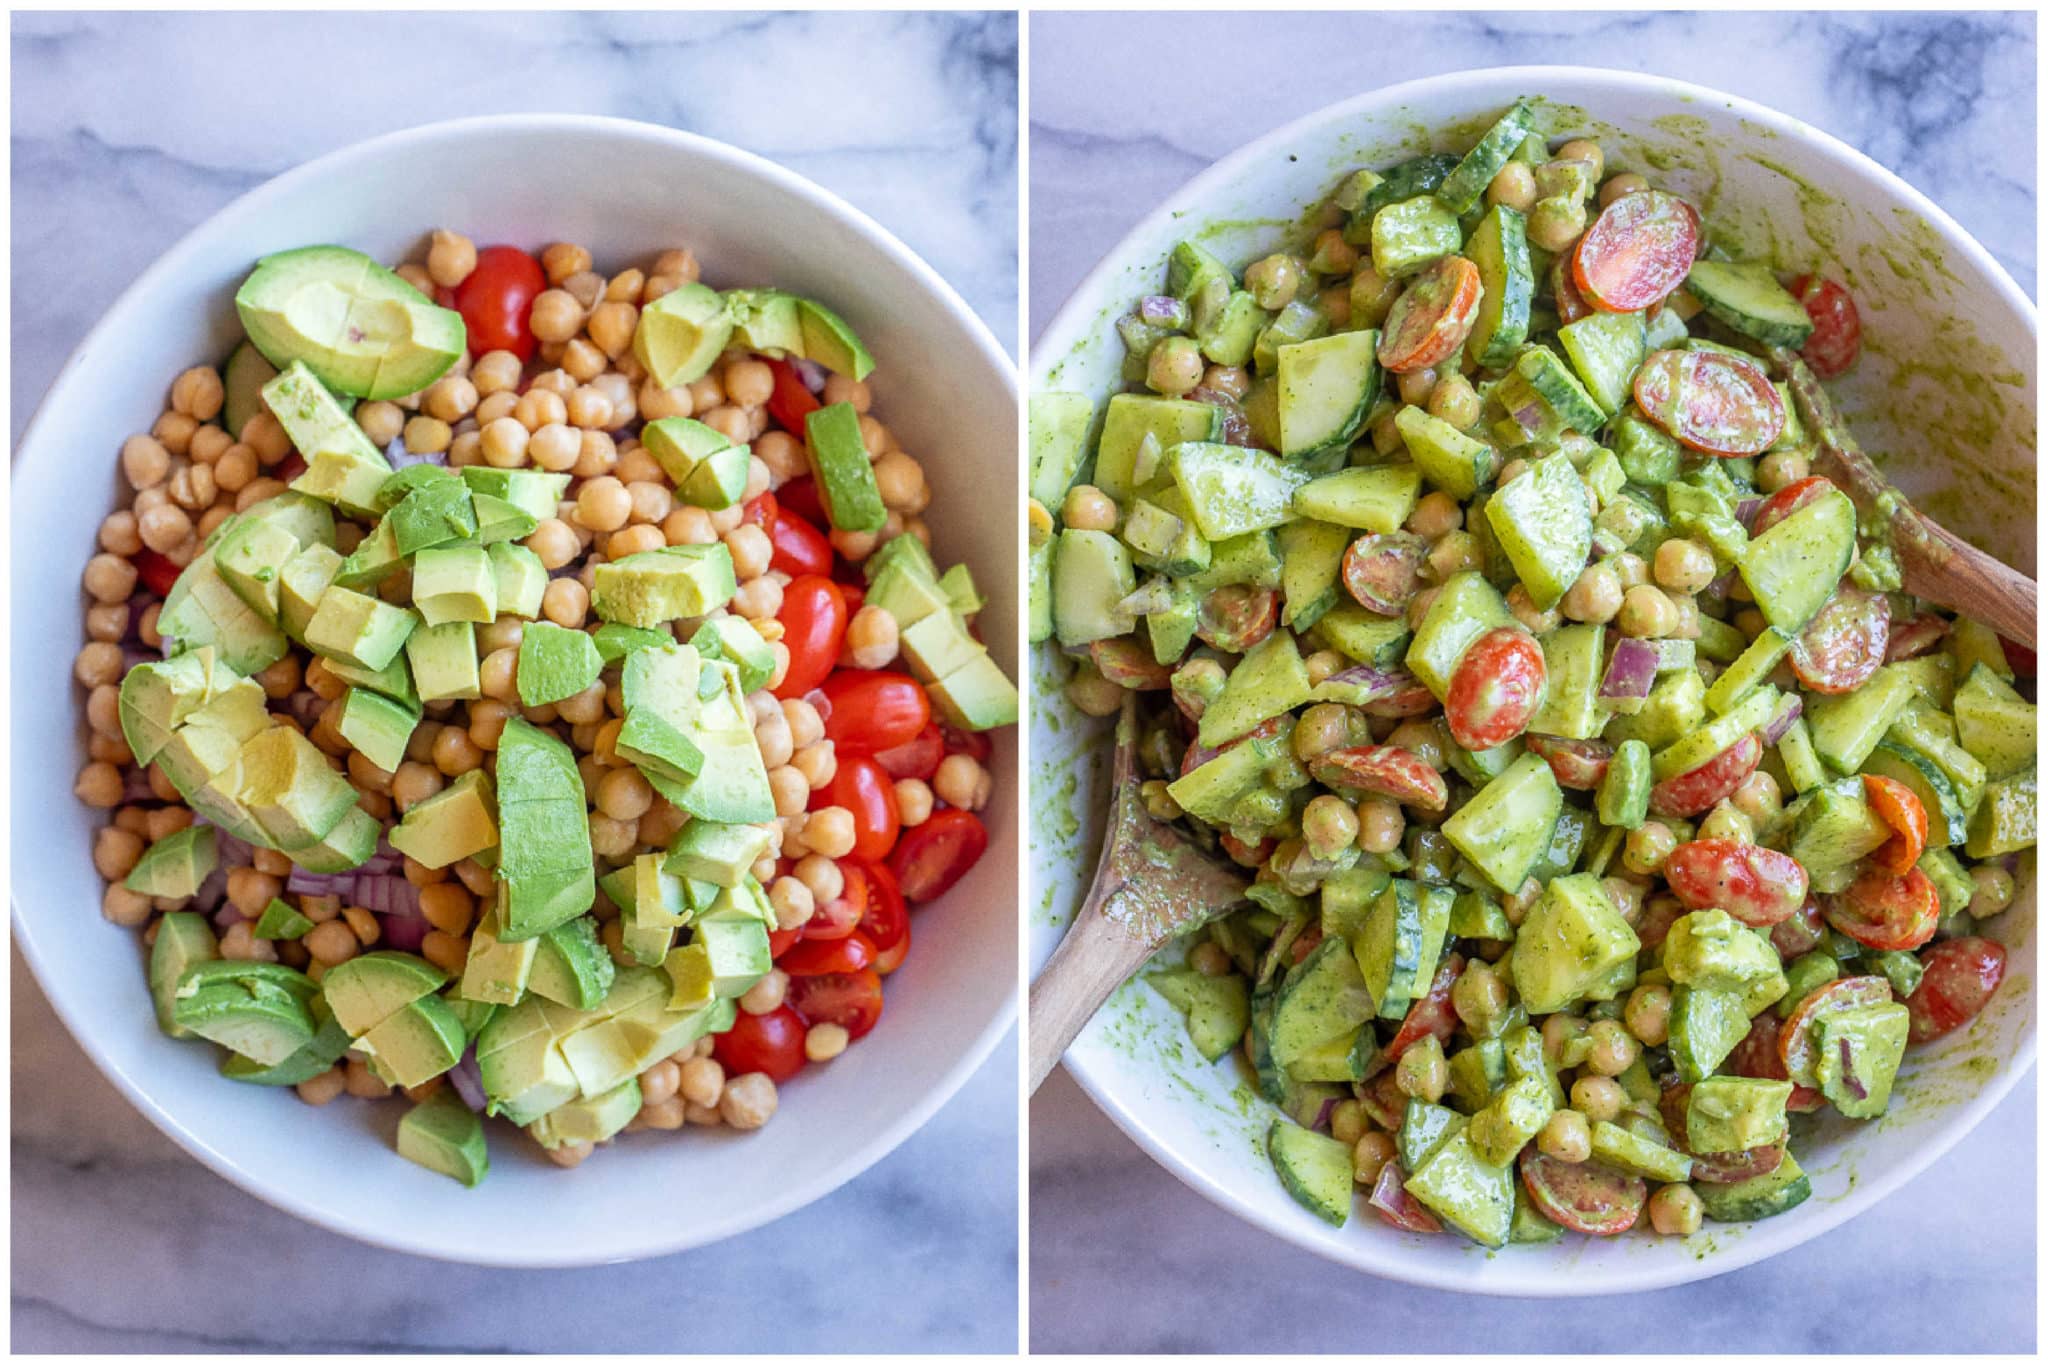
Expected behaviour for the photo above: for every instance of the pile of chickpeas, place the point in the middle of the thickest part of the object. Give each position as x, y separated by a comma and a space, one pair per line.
573, 410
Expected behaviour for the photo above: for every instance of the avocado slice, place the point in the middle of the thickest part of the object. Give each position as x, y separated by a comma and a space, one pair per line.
182, 940
593, 1119
441, 1134
361, 328
175, 865
681, 333
545, 871
256, 1009
845, 475
365, 991
555, 663
570, 966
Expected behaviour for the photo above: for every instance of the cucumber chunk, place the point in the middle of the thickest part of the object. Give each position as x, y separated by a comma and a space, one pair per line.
1499, 246
1231, 490
1327, 387
1315, 1169
1749, 299
1544, 522
1792, 569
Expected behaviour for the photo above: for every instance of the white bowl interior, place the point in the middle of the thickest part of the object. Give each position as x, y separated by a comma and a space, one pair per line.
941, 383
1959, 434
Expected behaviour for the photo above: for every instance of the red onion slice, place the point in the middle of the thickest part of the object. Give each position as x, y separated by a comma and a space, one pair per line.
468, 1081
1788, 711
406, 935
1631, 671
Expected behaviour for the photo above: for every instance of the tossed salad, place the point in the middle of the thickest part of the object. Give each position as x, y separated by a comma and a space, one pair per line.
1610, 804
530, 691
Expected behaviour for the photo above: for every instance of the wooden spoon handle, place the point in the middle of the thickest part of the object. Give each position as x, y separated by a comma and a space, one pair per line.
1094, 958
1973, 584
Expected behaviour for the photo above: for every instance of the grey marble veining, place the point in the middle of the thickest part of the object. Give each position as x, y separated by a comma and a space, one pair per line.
130, 130
1124, 1257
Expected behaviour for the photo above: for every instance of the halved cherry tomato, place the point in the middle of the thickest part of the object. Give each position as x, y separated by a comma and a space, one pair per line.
1433, 1013
842, 914
1788, 500
1757, 1057
289, 468
771, 1043
1581, 1196
1244, 854
760, 512
801, 497
1391, 1201
1433, 316
496, 301
813, 617
1795, 1038
789, 401
863, 788
887, 920
852, 1000
889, 959
1898, 806
1495, 688
1962, 975
1913, 638
1564, 292
974, 743
1383, 572
1844, 643
873, 710
918, 757
1235, 618
1384, 770
1714, 402
1799, 933
1714, 1168
1128, 664
1757, 885
931, 857
1637, 251
799, 547
1578, 764
157, 573
820, 957
1689, 793
1837, 329
1886, 912
781, 940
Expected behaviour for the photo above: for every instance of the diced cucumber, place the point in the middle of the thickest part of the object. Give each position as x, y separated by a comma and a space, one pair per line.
1606, 349
1461, 190
1618, 1149
1543, 399
1447, 457
1676, 704
1217, 1008
1091, 576
1717, 735
1424, 1128
1315, 1169
1229, 336
1847, 727
1212, 790
1499, 246
1792, 568
1410, 235
1322, 998
1252, 558
1311, 555
1398, 947
1705, 1027
1749, 299
1039, 589
1376, 498
1363, 635
1129, 418
1994, 723
1934, 677
1749, 670
1417, 176
1648, 455
1507, 825
2006, 817
1544, 522
1802, 765
1465, 608
1947, 817
1571, 667
1972, 643
1623, 799
1761, 1196
1231, 490
1468, 1192
1327, 387
1268, 681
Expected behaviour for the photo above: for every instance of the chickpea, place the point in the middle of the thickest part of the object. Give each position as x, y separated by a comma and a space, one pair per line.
1422, 1073
1174, 366
1599, 1098
1372, 294
1380, 825
1513, 186
1621, 186
110, 579
1566, 1136
1208, 958
1676, 1211
913, 801
1646, 847
963, 783
1781, 469
1992, 890
1479, 997
1094, 695
1523, 608
99, 786
1369, 1156
1630, 568
566, 602
1555, 223
1455, 401
556, 316
1683, 566
1595, 596
1231, 380
1323, 727
1648, 1014
1347, 1118
1436, 515
1758, 798
826, 882
1586, 150
1646, 613
823, 1042
1328, 825
1273, 281
1423, 739
872, 637
1614, 1048
748, 1102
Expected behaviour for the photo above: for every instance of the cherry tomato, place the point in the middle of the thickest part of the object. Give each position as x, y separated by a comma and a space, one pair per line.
1844, 643
1690, 793
1757, 1057
772, 1043
842, 914
1235, 618
2019, 658
1244, 854
800, 549
289, 468
863, 788
157, 573
1837, 329
813, 617
1582, 1196
931, 857
1384, 770
790, 400
1962, 975
1432, 1014
1714, 402
1383, 572
1433, 316
1391, 1200
1800, 932
1795, 1038
781, 940
1637, 251
889, 959
918, 757
760, 512
873, 710
1496, 687
1898, 806
1405, 697
819, 957
974, 743
1914, 638
1564, 291
887, 920
1129, 664
853, 1000
1759, 886
1886, 912
801, 497
1788, 500
1578, 764
496, 301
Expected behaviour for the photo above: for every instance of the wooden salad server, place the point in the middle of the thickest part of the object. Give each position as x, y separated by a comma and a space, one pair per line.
1151, 885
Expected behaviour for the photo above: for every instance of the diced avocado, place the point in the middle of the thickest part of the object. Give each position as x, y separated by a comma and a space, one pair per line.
251, 558
2005, 819
544, 866
242, 381
1792, 568
158, 696
1213, 789
1804, 975
1322, 998
713, 852
958, 585
208, 743
681, 334
909, 593
1705, 1027
734, 639
378, 727
679, 445
288, 786
358, 326
1506, 826
357, 629
1218, 1008
1510, 1119
183, 939
1708, 949
690, 977
1409, 235
830, 342
938, 645
1619, 1149
614, 642
1832, 826
534, 493
844, 473
555, 663
766, 321
257, 1010
416, 1042
1058, 425
302, 581
592, 1118
1735, 1113
1761, 1196
1472, 1194
977, 695
1270, 679
349, 844
660, 692
1424, 1128
203, 610
1544, 522
519, 580
279, 922
732, 785
342, 466
1993, 722
1091, 576
326, 1047
1572, 937
452, 824
657, 586
372, 561
441, 1134
455, 583
365, 991
1857, 1052
443, 661
737, 951
174, 866
570, 966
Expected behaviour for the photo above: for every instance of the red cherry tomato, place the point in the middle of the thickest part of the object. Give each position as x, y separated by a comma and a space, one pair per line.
1898, 806
1383, 770
156, 572
1582, 1196
496, 301
760, 512
1759, 886
1886, 912
1383, 572
873, 710
1844, 643
887, 921
800, 548
781, 940
918, 757
1233, 619
1433, 1013
1564, 290
813, 620
1130, 665
853, 1000
789, 401
1433, 316
1495, 689
1962, 975
1837, 329
1580, 764
1637, 251
772, 1043
974, 743
841, 915
862, 787
1714, 402
821, 957
1788, 500
1690, 793
889, 959
931, 857
801, 497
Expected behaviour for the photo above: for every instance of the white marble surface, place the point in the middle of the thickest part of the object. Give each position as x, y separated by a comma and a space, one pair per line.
1125, 1258
130, 130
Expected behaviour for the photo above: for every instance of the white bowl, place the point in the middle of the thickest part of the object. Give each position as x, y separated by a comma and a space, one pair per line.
941, 382
1830, 207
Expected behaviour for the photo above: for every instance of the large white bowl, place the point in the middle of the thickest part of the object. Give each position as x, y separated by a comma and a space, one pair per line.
941, 382
1946, 382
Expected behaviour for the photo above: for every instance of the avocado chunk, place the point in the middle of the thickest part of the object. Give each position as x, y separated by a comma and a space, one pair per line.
766, 321
977, 695
342, 466
682, 333
378, 727
659, 687
844, 473
206, 744
258, 1010
365, 991
443, 662
830, 341
520, 579
452, 824
349, 844
288, 785
1710, 950
595, 1119
159, 696
654, 587
734, 639
279, 922
329, 1043
570, 966
419, 1041
545, 872
174, 866
250, 559
203, 610
737, 952
710, 851
357, 629
689, 972
455, 583
496, 972
183, 939
1735, 1113
361, 328
441, 1134
1573, 936
1857, 1052
436, 512
614, 641
555, 663
707, 468
731, 785
1506, 826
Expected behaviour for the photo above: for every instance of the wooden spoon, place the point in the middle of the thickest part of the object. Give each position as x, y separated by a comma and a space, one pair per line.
1932, 561
1150, 886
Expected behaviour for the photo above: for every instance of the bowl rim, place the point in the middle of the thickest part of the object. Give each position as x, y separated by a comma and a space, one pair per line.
1063, 331
619, 1244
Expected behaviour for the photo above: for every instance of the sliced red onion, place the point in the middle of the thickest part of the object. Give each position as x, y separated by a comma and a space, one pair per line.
233, 852
303, 883
306, 707
404, 934
1788, 711
1745, 511
1849, 1076
1164, 310
1391, 1195
170, 645
387, 894
468, 1081
135, 786
226, 918
811, 372
1631, 671
290, 467
1371, 682
398, 457
211, 892
1323, 1112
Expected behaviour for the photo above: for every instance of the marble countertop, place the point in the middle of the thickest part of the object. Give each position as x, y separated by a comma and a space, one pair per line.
1124, 1257
127, 132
